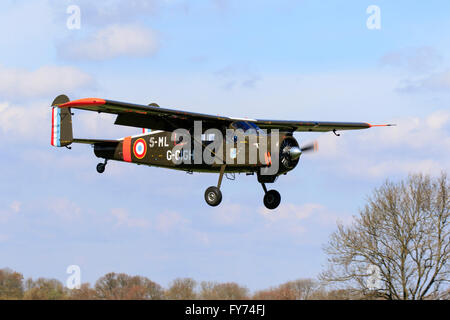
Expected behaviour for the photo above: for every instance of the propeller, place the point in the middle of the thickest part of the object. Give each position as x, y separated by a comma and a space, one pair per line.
314, 146
291, 152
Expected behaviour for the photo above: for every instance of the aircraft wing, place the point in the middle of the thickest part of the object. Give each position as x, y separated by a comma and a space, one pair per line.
148, 116
315, 126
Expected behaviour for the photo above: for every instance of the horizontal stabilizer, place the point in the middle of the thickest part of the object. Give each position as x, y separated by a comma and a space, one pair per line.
93, 141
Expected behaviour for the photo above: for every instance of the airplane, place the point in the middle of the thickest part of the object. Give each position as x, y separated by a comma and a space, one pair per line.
159, 146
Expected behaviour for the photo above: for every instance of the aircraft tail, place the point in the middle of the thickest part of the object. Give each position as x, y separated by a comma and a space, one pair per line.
61, 134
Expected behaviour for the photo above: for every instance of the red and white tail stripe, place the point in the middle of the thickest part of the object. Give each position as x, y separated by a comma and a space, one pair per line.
56, 127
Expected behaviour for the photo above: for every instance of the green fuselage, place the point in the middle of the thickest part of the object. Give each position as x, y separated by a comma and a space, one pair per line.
159, 148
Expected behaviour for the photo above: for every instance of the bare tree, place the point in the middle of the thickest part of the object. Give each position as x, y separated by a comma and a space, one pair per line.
182, 289
120, 286
222, 291
85, 292
301, 289
398, 247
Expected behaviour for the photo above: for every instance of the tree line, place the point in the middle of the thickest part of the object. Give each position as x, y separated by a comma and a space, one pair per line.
121, 286
397, 247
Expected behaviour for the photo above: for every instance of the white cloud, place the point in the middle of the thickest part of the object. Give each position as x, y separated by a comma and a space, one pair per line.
45, 81
416, 144
169, 221
97, 12
65, 209
13, 209
229, 213
290, 211
438, 119
385, 168
290, 217
123, 219
414, 59
15, 206
439, 81
113, 41
238, 76
20, 121
414, 132
31, 122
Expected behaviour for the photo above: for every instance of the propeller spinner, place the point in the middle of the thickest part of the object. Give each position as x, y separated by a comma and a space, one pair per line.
291, 152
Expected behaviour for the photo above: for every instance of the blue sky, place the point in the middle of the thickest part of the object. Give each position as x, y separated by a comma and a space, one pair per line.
299, 60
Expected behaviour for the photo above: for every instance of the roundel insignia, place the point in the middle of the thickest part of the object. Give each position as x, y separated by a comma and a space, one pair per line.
139, 148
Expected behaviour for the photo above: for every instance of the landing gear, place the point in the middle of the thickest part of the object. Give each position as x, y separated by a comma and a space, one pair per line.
272, 198
213, 195
101, 167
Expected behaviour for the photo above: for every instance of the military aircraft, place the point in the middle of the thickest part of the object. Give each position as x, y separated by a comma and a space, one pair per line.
160, 146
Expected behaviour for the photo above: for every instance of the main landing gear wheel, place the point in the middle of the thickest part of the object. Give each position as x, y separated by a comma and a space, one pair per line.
213, 196
272, 199
101, 166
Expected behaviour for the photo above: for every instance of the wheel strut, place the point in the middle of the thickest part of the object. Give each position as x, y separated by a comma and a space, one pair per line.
222, 171
101, 166
271, 198
264, 187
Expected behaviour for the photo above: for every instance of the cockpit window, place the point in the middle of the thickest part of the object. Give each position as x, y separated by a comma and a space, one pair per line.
247, 127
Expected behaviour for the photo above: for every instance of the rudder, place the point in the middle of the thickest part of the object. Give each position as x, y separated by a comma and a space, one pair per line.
61, 134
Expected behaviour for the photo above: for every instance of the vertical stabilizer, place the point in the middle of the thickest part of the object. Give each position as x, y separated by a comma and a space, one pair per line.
61, 134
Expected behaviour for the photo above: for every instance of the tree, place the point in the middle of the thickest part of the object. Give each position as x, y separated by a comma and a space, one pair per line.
11, 286
44, 289
274, 293
300, 289
398, 247
182, 289
337, 294
85, 292
120, 286
222, 291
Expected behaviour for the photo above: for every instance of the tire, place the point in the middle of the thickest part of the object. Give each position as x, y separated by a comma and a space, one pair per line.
272, 199
101, 168
213, 196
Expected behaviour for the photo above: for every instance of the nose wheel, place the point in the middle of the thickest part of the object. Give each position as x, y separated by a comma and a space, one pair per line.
272, 198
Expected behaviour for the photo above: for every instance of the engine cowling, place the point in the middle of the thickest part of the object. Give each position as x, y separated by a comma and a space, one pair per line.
289, 154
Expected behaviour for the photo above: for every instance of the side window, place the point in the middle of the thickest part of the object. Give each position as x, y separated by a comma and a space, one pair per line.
208, 137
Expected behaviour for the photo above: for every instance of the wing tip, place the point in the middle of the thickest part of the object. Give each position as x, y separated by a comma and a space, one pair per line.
382, 125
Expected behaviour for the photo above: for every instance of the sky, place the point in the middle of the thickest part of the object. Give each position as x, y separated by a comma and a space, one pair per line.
290, 60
